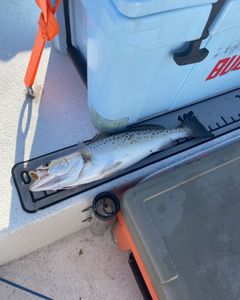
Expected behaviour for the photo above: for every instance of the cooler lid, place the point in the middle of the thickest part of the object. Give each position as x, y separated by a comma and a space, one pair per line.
185, 225
139, 8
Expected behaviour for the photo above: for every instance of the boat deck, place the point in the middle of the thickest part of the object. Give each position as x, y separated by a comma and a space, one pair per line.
78, 265
57, 118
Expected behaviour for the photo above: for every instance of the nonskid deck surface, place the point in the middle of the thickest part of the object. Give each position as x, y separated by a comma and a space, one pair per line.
219, 115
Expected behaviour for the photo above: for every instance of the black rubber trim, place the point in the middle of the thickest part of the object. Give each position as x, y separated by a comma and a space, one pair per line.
139, 278
76, 55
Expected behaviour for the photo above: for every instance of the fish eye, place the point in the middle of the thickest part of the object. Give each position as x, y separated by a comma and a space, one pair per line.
46, 165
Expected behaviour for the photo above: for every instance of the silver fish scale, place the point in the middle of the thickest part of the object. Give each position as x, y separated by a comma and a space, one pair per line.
106, 156
136, 136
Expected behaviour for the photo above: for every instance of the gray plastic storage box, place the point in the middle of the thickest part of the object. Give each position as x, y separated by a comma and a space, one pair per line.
185, 225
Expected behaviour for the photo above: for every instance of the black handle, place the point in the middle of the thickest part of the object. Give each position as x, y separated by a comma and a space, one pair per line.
193, 54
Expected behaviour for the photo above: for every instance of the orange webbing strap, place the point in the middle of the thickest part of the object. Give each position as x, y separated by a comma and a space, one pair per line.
47, 30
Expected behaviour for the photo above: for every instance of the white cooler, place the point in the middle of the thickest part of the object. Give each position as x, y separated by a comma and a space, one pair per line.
146, 57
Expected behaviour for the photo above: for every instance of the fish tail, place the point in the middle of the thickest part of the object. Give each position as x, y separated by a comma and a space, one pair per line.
197, 128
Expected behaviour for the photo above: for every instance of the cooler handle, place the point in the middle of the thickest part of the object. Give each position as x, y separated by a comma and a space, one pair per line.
193, 54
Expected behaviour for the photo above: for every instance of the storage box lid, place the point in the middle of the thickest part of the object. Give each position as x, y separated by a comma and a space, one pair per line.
139, 8
185, 225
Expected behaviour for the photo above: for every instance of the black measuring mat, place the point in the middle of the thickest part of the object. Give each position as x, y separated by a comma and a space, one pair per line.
219, 115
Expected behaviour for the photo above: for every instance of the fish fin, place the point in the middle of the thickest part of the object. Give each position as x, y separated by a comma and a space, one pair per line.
196, 127
102, 135
86, 154
111, 167
145, 126
99, 136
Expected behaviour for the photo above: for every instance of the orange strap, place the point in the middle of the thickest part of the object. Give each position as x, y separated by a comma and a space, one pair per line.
47, 30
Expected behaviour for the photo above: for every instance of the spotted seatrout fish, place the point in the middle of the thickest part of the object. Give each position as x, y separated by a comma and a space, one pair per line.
106, 156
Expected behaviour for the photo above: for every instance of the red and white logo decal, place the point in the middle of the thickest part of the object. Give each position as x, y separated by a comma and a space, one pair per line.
225, 66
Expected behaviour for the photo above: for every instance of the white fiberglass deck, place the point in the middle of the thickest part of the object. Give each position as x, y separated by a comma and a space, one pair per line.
58, 117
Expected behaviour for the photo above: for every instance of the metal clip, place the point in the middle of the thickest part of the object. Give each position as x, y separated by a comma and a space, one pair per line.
30, 92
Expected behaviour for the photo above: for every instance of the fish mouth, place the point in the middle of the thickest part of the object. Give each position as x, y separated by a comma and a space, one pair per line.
42, 181
33, 175
58, 177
